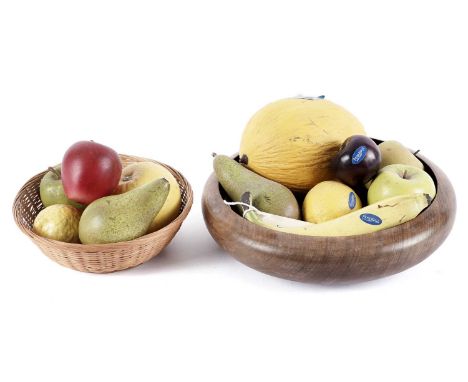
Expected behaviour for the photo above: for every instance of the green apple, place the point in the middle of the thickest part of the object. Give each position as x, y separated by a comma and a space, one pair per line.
400, 179
51, 189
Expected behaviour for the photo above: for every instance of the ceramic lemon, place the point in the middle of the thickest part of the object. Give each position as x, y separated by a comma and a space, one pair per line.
329, 200
58, 222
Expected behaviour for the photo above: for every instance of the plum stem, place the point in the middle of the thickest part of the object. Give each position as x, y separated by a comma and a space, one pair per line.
55, 172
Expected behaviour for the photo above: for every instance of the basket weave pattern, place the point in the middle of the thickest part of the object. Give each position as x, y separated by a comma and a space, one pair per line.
99, 258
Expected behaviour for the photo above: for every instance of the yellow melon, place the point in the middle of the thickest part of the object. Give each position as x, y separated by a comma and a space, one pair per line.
292, 141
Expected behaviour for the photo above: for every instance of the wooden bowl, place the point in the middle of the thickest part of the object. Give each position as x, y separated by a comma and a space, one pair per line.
99, 258
331, 260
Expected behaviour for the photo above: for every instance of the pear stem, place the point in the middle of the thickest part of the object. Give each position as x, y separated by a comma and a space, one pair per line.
404, 174
56, 173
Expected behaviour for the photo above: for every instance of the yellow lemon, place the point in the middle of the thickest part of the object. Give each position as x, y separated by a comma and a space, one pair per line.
58, 222
329, 200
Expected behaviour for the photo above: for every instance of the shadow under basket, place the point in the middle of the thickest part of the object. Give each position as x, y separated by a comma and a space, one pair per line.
330, 260
99, 258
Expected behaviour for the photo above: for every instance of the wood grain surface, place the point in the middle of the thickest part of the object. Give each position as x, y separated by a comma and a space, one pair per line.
330, 260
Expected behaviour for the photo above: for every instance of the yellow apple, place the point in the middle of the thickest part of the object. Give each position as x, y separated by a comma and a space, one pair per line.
139, 173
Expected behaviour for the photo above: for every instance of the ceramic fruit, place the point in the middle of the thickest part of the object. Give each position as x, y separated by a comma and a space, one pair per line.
292, 141
58, 222
329, 200
375, 217
51, 189
267, 195
400, 179
357, 161
90, 171
394, 152
123, 217
140, 173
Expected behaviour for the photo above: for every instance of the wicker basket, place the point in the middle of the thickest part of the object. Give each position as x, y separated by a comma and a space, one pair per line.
99, 258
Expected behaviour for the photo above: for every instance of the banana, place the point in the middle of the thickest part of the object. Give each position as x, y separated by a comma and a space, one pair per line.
375, 217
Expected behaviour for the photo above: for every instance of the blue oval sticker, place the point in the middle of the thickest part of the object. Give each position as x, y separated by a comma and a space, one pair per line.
359, 154
351, 200
371, 219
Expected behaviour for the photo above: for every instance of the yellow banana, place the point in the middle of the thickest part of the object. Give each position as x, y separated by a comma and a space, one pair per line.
375, 217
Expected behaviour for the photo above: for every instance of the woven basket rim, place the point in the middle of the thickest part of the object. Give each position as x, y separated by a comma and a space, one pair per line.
122, 244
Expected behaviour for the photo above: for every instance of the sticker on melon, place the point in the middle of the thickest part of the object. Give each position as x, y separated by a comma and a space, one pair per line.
293, 141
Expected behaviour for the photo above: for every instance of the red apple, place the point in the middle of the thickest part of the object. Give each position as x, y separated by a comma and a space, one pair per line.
90, 171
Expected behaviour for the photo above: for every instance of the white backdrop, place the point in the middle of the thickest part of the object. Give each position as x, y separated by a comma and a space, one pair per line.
175, 81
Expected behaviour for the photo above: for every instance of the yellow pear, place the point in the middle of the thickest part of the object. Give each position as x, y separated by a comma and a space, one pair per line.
140, 173
329, 200
293, 141
393, 152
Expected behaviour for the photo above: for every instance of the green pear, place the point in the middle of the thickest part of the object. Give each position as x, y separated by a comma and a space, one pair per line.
125, 216
393, 152
51, 189
267, 195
